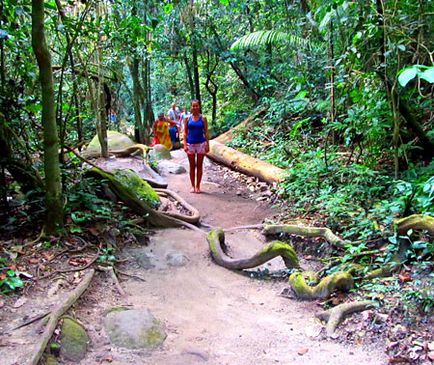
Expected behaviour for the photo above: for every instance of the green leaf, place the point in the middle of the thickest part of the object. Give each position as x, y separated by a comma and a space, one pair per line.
407, 75
224, 2
428, 75
168, 8
50, 5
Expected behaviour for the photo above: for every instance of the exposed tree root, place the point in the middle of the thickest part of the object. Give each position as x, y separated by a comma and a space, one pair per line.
325, 233
81, 268
339, 280
153, 217
415, 221
335, 315
57, 313
216, 241
131, 151
195, 215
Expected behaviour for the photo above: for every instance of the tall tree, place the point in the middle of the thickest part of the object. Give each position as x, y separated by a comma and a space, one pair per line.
53, 186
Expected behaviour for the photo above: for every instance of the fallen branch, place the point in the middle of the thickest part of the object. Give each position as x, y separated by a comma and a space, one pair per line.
130, 275
31, 320
110, 270
57, 313
335, 315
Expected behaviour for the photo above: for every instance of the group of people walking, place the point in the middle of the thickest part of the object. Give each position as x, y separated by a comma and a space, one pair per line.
190, 126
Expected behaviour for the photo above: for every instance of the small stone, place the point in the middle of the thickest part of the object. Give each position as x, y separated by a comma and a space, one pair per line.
20, 302
302, 351
177, 259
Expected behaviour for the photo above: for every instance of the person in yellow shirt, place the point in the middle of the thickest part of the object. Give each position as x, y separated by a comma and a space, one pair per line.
161, 131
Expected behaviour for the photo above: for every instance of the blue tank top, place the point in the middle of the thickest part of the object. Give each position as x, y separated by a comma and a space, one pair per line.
196, 131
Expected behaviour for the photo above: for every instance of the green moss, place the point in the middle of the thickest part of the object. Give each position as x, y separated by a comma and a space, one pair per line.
153, 336
286, 251
73, 341
135, 184
340, 280
50, 360
215, 235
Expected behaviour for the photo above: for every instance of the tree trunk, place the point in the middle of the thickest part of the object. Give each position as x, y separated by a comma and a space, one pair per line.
249, 122
196, 75
53, 194
101, 110
189, 76
249, 88
148, 114
134, 70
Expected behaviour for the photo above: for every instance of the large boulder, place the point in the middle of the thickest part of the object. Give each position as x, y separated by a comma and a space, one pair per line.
116, 141
159, 152
134, 329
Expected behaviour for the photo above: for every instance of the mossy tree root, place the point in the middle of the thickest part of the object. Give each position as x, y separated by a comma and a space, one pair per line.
415, 221
153, 217
216, 241
195, 215
326, 233
338, 281
335, 315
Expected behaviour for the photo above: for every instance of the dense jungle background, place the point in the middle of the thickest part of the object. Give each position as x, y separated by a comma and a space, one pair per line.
338, 93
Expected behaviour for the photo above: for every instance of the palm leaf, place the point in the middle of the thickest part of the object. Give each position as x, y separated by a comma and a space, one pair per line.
274, 37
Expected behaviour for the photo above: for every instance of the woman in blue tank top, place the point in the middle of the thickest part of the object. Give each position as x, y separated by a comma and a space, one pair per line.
196, 144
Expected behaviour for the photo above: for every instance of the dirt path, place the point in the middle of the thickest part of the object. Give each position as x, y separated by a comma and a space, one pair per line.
211, 315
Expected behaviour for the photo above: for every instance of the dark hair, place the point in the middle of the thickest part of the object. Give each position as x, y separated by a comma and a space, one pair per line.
194, 101
160, 114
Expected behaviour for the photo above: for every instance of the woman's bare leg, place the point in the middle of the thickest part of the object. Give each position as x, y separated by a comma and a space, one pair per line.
199, 171
192, 164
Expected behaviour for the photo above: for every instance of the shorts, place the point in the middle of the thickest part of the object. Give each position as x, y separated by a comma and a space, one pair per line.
199, 148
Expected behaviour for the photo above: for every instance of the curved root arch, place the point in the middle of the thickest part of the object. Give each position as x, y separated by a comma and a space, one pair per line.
216, 241
194, 215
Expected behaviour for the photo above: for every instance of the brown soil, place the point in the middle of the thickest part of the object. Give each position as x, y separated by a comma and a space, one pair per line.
211, 315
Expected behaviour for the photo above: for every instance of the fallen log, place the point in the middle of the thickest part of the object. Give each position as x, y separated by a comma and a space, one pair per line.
246, 164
